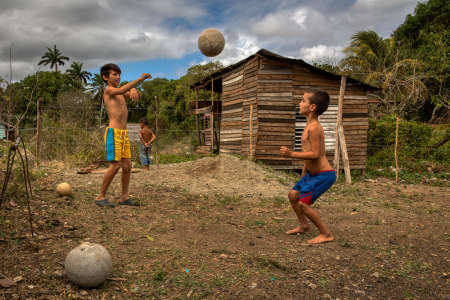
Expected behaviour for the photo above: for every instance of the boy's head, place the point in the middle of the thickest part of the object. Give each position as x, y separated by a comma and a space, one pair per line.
111, 74
143, 122
314, 101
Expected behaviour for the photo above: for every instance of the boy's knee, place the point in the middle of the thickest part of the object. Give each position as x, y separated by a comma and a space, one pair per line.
126, 168
293, 196
115, 167
303, 206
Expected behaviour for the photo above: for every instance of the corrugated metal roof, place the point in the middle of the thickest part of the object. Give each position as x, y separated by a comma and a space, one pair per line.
271, 55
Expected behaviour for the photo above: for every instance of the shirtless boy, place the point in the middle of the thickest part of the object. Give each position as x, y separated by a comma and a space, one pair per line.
118, 151
317, 175
147, 137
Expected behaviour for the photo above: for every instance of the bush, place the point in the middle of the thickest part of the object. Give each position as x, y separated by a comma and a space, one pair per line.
417, 144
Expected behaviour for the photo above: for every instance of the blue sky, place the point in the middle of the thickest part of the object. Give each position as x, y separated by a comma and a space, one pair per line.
160, 37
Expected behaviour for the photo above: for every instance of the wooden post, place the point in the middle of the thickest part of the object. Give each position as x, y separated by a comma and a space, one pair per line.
343, 144
196, 116
157, 132
396, 150
212, 114
38, 128
337, 154
337, 157
340, 137
250, 153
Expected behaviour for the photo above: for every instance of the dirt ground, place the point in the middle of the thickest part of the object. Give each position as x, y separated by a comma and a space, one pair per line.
214, 228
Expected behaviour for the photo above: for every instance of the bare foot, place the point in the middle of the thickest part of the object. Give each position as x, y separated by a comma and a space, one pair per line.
321, 238
298, 229
100, 198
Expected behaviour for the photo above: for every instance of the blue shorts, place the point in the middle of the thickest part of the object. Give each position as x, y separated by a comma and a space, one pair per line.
311, 186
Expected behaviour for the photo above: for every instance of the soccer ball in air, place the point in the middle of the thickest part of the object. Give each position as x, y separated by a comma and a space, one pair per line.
211, 42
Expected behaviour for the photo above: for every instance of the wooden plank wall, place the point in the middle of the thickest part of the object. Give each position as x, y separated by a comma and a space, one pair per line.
276, 112
232, 103
249, 94
355, 112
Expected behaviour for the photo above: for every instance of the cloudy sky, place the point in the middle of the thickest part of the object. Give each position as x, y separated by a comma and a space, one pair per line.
160, 37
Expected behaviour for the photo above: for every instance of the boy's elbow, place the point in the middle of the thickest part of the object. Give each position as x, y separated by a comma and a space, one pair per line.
315, 155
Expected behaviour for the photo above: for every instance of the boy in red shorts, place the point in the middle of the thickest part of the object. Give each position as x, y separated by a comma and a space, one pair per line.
317, 175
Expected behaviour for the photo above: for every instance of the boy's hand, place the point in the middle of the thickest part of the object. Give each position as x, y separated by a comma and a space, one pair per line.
146, 76
284, 151
134, 94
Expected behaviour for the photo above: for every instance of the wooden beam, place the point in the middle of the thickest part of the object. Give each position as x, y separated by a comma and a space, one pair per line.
338, 121
340, 137
212, 114
251, 133
396, 150
157, 132
196, 116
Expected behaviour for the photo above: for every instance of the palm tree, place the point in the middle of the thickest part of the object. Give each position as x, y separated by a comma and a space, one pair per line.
76, 72
53, 57
377, 61
368, 56
97, 86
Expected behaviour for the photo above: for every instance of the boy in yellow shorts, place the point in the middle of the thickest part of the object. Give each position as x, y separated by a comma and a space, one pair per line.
118, 151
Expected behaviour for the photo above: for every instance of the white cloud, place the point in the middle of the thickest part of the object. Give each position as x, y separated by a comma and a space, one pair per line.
100, 31
319, 52
95, 31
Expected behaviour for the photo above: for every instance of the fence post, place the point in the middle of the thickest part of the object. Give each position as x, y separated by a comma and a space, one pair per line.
38, 129
250, 154
157, 132
340, 134
212, 115
196, 116
396, 150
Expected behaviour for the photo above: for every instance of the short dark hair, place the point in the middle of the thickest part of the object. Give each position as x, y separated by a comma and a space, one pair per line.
320, 98
104, 71
143, 121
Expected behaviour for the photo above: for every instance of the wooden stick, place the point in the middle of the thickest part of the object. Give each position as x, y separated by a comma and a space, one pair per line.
338, 121
343, 144
196, 116
212, 114
250, 154
396, 149
38, 129
156, 129
337, 154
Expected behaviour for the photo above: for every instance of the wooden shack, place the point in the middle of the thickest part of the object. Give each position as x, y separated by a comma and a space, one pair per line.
259, 109
6, 131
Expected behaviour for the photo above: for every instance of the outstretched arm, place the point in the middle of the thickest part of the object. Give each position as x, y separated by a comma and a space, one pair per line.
126, 87
133, 94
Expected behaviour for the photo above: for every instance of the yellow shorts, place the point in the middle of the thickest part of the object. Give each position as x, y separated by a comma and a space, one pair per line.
117, 144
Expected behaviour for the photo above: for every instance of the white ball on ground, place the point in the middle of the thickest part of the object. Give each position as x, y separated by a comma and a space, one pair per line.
64, 189
88, 265
211, 42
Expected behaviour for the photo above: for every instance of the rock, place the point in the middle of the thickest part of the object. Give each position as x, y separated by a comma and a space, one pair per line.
311, 285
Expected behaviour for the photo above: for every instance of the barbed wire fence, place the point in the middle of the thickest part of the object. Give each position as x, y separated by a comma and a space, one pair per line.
80, 143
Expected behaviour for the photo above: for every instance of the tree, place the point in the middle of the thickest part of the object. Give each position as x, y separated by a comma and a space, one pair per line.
426, 37
377, 61
97, 86
53, 57
78, 74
